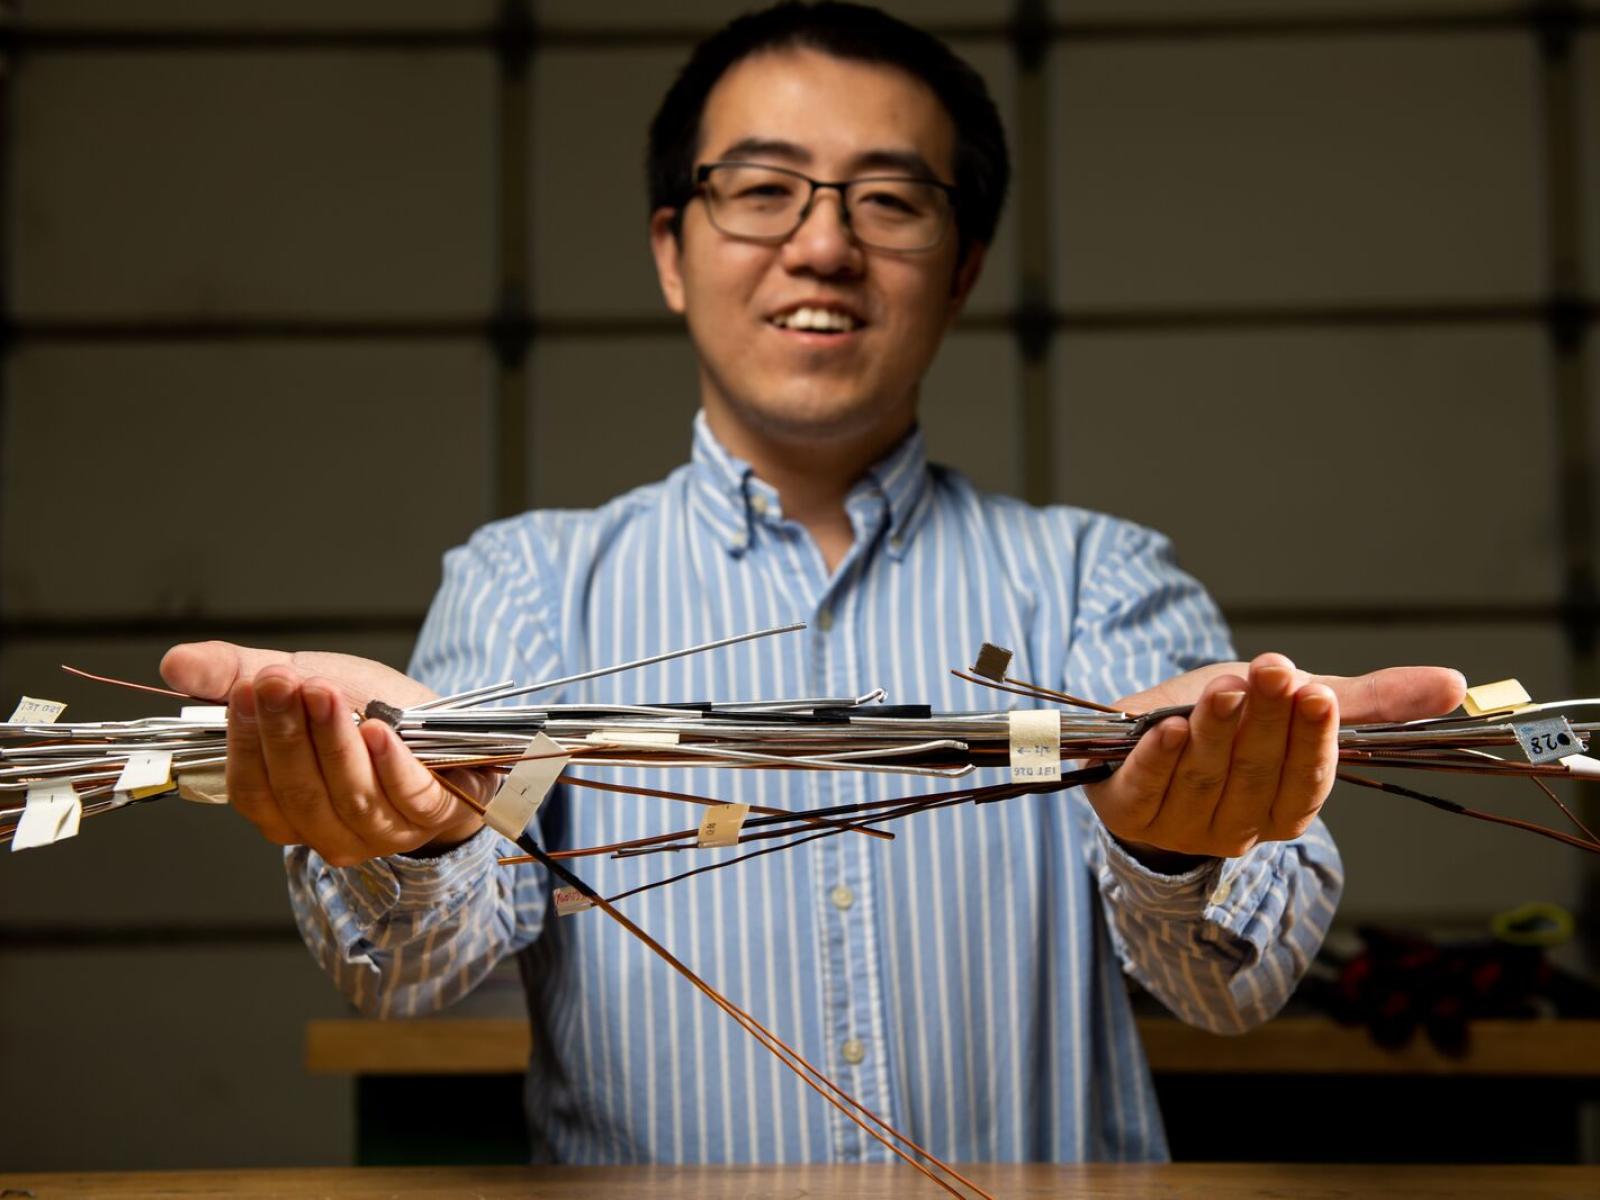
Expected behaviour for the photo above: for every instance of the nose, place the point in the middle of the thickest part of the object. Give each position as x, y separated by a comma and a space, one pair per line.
824, 245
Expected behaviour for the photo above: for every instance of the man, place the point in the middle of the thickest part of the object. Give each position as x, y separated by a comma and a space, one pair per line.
824, 183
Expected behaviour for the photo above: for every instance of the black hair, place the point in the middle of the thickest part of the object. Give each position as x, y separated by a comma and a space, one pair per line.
850, 31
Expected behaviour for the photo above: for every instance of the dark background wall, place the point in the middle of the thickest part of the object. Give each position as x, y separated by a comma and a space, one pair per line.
296, 294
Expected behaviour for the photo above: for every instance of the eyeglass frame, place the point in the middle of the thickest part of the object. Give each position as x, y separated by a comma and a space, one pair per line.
703, 172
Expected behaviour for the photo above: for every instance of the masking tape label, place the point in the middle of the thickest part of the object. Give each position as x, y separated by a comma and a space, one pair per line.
207, 713
635, 737
32, 711
570, 900
1035, 745
52, 813
1502, 696
148, 773
519, 797
204, 785
722, 824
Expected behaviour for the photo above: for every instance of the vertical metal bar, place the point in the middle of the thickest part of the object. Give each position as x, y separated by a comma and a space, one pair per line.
1030, 40
515, 37
8, 183
1567, 327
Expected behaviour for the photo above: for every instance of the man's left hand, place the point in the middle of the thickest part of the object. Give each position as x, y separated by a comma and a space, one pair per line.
1257, 757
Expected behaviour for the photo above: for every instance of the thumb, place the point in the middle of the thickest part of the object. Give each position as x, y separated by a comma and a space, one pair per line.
1395, 694
210, 669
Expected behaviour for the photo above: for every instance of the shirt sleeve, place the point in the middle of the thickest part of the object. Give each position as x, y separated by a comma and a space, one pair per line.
1223, 945
403, 936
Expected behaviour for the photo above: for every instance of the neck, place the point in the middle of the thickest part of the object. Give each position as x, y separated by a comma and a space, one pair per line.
812, 476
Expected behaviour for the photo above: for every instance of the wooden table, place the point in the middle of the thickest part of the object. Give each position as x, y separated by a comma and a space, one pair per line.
1286, 1046
1209, 1181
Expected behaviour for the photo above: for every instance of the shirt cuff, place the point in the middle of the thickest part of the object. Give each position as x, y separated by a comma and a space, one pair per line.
1179, 896
383, 887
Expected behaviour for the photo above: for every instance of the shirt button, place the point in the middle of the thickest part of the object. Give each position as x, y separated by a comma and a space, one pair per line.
842, 897
825, 620
853, 1051
758, 504
1220, 894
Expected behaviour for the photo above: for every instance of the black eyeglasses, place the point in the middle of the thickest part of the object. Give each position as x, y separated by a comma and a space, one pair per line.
767, 204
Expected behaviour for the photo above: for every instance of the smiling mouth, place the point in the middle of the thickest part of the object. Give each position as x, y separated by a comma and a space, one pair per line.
816, 320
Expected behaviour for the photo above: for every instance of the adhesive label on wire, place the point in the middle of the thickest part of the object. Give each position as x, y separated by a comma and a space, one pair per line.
52, 813
1548, 740
205, 714
148, 773
524, 790
1035, 745
31, 711
1505, 695
635, 737
570, 900
722, 824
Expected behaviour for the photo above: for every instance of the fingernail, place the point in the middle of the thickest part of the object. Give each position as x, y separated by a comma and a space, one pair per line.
1173, 734
1225, 704
274, 695
319, 705
376, 735
1276, 681
1316, 707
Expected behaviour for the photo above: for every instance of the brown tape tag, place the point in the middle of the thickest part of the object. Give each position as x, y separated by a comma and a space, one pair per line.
204, 785
1035, 745
634, 737
32, 711
570, 900
722, 824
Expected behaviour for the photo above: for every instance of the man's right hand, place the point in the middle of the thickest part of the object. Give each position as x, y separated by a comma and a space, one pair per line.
304, 772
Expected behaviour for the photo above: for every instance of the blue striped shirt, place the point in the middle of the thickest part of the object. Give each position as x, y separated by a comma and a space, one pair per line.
963, 981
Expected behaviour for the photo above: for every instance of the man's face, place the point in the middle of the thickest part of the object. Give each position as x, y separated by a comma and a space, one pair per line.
833, 119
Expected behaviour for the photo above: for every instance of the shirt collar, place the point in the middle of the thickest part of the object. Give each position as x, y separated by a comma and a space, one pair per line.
732, 500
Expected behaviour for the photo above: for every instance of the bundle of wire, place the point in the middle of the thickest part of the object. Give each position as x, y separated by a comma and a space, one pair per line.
65, 771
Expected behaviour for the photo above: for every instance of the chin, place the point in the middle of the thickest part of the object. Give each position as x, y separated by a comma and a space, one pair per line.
817, 419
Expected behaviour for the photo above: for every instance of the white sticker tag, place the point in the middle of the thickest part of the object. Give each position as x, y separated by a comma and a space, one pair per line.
209, 713
52, 813
1035, 745
524, 790
37, 712
635, 737
147, 773
722, 824
570, 900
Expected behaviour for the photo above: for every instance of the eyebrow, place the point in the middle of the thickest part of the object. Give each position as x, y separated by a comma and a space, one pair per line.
908, 161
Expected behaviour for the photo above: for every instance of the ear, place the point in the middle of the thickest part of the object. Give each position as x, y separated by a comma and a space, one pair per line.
966, 276
667, 247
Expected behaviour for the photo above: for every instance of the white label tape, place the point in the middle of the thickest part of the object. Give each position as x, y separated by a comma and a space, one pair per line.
52, 813
722, 824
1035, 745
635, 737
570, 900
207, 713
37, 712
524, 790
147, 773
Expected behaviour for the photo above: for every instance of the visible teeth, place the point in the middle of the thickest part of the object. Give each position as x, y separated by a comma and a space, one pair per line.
817, 318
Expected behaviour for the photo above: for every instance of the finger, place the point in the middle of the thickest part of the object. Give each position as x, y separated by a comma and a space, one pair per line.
1395, 693
249, 793
1311, 764
1184, 820
1130, 799
210, 669
293, 774
408, 785
347, 772
1245, 808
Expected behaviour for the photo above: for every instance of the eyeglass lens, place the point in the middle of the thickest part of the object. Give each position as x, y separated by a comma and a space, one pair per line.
765, 202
